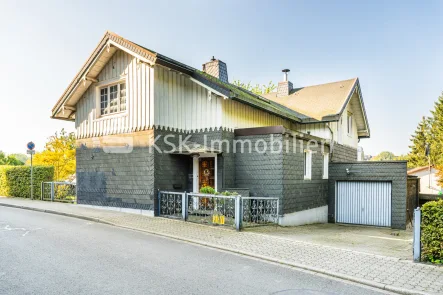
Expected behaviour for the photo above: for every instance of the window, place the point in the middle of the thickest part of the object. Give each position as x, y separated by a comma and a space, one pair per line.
349, 123
325, 165
307, 164
113, 99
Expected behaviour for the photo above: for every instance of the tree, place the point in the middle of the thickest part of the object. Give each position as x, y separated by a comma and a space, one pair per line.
257, 89
9, 160
436, 133
417, 156
21, 157
60, 153
384, 156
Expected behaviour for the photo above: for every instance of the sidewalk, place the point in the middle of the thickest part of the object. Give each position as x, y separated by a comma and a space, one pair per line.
383, 272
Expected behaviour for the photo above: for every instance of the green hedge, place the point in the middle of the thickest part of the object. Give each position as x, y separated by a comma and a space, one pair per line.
432, 231
15, 181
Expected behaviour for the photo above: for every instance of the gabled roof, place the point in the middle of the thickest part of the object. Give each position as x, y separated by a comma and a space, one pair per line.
320, 103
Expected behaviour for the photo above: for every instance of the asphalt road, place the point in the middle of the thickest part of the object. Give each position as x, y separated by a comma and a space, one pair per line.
42, 253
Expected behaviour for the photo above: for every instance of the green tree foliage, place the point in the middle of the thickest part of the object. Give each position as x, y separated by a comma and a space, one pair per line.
21, 157
257, 88
422, 135
436, 132
10, 160
60, 153
384, 156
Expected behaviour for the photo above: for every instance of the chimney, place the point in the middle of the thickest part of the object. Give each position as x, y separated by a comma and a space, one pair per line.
216, 68
285, 87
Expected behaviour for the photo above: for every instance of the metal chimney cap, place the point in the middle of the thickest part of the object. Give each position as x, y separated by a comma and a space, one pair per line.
286, 70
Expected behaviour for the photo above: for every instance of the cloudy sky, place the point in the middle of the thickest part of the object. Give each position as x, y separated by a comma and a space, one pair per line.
394, 47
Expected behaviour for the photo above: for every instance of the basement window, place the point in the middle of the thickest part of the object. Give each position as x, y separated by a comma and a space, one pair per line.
307, 164
113, 99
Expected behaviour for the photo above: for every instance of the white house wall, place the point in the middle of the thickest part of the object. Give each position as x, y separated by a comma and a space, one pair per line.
240, 115
181, 104
139, 95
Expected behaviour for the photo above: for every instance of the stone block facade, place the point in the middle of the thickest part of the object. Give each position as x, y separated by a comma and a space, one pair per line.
394, 172
343, 153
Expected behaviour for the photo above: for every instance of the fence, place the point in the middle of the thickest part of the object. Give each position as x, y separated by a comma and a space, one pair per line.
58, 192
233, 211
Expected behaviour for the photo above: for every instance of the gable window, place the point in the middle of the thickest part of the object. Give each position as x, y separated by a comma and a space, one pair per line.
349, 124
325, 165
307, 164
113, 99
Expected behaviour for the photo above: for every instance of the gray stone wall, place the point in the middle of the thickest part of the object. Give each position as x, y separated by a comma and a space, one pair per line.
281, 174
171, 171
300, 194
343, 153
115, 179
261, 173
394, 172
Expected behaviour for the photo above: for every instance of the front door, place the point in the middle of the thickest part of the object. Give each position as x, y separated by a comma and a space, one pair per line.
206, 171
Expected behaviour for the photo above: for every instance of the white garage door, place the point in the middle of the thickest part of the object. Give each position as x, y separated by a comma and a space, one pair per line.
363, 202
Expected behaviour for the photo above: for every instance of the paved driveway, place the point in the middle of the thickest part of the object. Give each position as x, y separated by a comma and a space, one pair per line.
374, 240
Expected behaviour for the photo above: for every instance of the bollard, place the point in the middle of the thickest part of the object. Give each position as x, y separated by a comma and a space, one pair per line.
185, 206
417, 235
238, 213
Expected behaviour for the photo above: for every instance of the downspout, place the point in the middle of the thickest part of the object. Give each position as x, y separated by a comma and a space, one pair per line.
331, 144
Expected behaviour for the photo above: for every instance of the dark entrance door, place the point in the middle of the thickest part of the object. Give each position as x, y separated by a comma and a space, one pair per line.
206, 170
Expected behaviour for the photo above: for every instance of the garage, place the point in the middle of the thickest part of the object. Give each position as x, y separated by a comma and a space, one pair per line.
364, 202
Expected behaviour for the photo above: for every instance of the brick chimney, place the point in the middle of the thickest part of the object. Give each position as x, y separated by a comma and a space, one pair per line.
285, 87
216, 68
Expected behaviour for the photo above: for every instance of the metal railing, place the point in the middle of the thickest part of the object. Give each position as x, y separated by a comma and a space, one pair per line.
211, 209
58, 192
234, 211
171, 204
256, 210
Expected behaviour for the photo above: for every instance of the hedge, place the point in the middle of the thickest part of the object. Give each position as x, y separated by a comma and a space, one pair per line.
15, 181
432, 232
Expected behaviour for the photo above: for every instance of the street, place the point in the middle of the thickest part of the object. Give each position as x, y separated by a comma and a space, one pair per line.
48, 254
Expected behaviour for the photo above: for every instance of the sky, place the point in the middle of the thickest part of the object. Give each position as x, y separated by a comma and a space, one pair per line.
394, 47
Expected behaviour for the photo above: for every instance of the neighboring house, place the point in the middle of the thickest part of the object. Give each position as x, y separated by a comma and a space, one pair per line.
428, 179
126, 96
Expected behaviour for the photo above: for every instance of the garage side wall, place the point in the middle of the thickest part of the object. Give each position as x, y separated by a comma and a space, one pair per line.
394, 172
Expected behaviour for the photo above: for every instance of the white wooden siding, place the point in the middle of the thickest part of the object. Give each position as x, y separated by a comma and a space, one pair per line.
240, 115
139, 95
181, 104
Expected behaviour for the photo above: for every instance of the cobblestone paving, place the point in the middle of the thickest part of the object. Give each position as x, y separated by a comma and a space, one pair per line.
387, 272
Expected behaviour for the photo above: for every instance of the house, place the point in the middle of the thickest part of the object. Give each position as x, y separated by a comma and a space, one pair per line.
146, 122
428, 179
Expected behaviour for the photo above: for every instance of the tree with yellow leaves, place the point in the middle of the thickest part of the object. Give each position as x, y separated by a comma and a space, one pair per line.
59, 152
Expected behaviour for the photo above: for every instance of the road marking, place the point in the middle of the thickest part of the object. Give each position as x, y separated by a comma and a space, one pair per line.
7, 227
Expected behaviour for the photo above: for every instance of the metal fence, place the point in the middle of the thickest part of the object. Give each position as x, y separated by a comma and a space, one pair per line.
257, 211
232, 211
59, 192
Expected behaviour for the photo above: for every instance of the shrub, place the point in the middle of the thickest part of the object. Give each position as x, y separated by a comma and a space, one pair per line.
15, 181
432, 232
207, 190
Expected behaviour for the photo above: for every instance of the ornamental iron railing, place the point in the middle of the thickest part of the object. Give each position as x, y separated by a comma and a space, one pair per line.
259, 211
232, 211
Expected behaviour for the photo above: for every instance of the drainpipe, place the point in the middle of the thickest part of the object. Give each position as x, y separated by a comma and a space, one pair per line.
331, 144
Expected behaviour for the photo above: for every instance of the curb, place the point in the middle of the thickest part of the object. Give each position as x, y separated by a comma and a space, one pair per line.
390, 288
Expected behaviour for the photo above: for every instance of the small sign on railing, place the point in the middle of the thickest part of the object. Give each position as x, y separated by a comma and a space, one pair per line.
218, 219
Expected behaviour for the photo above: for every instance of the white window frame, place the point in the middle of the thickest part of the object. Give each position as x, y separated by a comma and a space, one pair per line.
349, 124
325, 165
307, 164
108, 86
